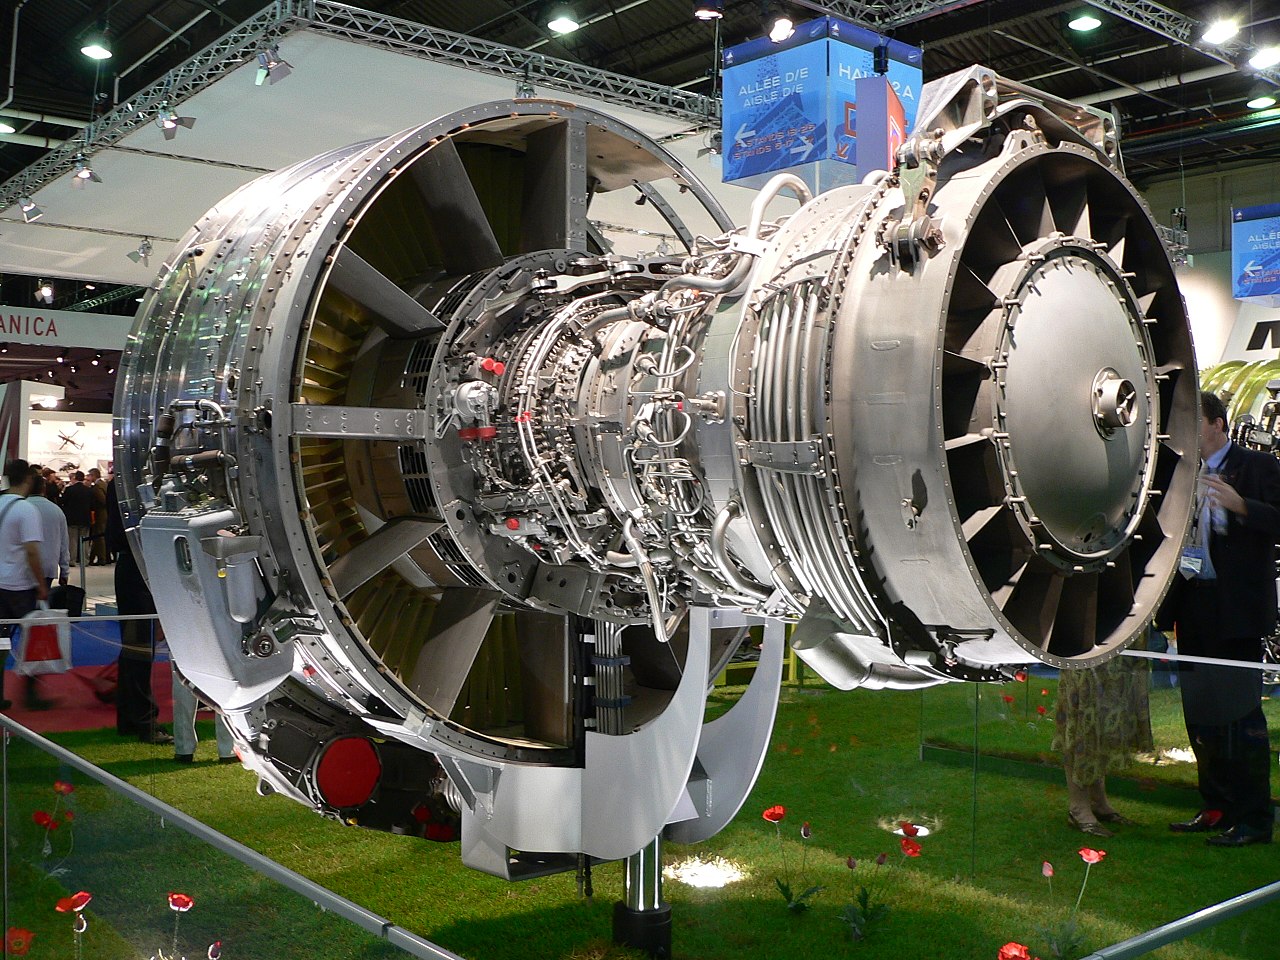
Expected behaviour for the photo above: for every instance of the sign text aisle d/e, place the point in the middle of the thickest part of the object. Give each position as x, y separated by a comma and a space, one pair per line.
1255, 253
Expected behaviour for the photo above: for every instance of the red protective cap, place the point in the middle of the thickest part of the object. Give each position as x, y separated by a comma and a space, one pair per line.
348, 771
488, 363
486, 433
499, 367
513, 523
468, 433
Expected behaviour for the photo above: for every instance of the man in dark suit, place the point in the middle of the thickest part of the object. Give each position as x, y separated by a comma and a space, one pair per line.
1224, 604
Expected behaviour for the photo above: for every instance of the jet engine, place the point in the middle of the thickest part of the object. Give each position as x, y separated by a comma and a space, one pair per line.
454, 513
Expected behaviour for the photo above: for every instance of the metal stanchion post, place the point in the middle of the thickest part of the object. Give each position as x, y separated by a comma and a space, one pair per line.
642, 920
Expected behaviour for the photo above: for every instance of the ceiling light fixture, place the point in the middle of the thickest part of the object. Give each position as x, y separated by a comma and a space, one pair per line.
111, 369
141, 254
1220, 31
1084, 23
6, 127
84, 172
271, 66
708, 9
30, 212
1263, 101
168, 121
96, 358
779, 25
96, 46
1264, 58
560, 20
90, 286
44, 292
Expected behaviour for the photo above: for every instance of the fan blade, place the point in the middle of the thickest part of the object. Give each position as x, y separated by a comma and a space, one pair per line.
458, 628
467, 238
371, 556
398, 313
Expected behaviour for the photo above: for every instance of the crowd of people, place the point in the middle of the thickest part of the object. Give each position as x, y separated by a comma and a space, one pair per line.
48, 525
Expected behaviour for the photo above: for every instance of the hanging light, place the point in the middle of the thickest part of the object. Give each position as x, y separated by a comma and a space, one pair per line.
1264, 58
30, 212
44, 292
1084, 23
97, 358
708, 9
96, 46
271, 66
141, 254
7, 127
1220, 31
1262, 101
778, 23
168, 121
561, 20
84, 172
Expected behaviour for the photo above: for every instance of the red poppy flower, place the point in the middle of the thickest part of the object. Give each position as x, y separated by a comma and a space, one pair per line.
880, 860
180, 902
18, 941
1089, 855
805, 831
62, 787
909, 829
1046, 868
215, 950
851, 863
1007, 699
1013, 951
775, 813
74, 903
1044, 691
1021, 676
42, 819
910, 848
1041, 710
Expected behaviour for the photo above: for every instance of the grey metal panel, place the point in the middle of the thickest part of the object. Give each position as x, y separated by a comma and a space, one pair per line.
370, 557
399, 314
457, 629
467, 242
554, 215
358, 423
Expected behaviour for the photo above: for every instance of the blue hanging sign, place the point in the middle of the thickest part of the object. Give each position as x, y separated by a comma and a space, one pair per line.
1255, 252
793, 103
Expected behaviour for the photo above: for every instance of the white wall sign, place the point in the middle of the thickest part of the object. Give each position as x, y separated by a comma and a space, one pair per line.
63, 328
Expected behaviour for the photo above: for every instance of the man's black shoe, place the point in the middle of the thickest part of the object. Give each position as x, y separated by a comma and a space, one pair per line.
1206, 821
184, 757
37, 703
1240, 836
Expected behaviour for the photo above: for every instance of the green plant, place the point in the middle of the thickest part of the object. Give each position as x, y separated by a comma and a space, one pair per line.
796, 903
1066, 942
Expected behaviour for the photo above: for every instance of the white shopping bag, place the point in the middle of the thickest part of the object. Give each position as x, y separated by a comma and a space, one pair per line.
41, 646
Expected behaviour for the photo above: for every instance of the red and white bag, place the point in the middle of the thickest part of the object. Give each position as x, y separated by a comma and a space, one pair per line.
42, 646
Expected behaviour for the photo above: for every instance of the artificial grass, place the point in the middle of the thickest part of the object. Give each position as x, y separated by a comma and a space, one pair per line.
848, 763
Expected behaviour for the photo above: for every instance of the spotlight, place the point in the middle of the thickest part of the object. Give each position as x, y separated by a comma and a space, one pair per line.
111, 369
1084, 23
90, 286
7, 127
30, 212
4, 349
141, 254
97, 358
84, 172
62, 358
1263, 101
1264, 58
169, 122
1220, 31
44, 292
271, 66
96, 46
778, 23
74, 368
561, 20
708, 9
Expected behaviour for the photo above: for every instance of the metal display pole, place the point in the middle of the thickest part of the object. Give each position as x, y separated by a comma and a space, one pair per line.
642, 920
